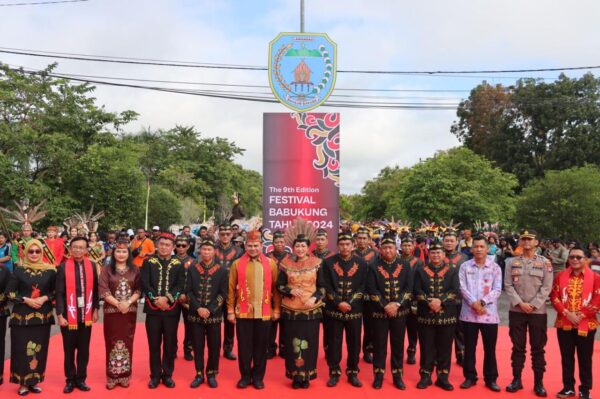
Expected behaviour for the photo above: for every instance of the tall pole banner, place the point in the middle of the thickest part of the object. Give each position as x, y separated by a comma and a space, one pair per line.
301, 171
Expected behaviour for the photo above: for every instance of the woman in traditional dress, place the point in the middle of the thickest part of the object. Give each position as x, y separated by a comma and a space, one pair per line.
31, 289
300, 284
96, 251
120, 287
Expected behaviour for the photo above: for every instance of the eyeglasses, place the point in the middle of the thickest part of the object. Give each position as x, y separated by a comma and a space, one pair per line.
578, 257
34, 251
181, 245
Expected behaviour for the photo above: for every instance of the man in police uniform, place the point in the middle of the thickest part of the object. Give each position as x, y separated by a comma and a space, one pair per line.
454, 259
528, 282
226, 253
369, 255
407, 247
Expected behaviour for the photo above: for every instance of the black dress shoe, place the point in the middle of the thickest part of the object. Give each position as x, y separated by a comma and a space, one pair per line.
229, 355
69, 387
368, 357
540, 390
399, 383
411, 358
467, 384
258, 384
333, 380
566, 393
34, 389
243, 383
153, 383
378, 381
424, 382
305, 384
515, 385
197, 381
296, 384
354, 381
188, 356
493, 386
212, 382
168, 382
82, 386
444, 384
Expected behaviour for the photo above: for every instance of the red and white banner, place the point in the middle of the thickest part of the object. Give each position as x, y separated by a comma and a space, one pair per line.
301, 171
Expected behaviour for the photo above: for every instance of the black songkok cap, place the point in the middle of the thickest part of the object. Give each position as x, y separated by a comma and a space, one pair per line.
363, 230
388, 238
436, 245
321, 233
344, 237
278, 234
225, 226
209, 243
450, 232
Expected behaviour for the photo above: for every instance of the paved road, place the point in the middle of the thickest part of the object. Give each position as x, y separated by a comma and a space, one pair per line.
502, 306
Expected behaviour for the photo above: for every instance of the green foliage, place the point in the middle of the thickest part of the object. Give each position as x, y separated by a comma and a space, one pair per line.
382, 196
164, 208
460, 185
533, 126
57, 144
564, 203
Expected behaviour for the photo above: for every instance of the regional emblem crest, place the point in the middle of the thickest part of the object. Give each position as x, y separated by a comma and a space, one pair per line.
302, 69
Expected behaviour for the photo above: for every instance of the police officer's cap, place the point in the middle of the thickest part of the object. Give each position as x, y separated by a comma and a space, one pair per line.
528, 233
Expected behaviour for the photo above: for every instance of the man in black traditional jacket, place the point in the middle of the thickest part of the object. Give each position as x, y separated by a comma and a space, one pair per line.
436, 289
226, 253
345, 278
207, 283
389, 285
163, 280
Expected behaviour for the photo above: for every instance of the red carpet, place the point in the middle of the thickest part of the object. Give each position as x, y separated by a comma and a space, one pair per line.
277, 386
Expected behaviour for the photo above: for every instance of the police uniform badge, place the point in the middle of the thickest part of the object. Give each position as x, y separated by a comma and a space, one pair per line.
302, 69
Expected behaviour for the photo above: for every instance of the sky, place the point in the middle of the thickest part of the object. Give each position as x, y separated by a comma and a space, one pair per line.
370, 35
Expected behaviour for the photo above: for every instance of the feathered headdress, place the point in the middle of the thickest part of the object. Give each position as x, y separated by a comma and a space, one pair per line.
24, 214
85, 221
449, 226
299, 226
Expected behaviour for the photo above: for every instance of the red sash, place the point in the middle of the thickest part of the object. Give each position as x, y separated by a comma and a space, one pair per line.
70, 283
586, 294
243, 293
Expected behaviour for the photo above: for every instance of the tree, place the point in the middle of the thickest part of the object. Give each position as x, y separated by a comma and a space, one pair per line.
46, 126
563, 204
533, 126
460, 185
165, 208
382, 196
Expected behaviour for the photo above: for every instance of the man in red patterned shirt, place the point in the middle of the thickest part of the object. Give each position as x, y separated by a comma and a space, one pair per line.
576, 298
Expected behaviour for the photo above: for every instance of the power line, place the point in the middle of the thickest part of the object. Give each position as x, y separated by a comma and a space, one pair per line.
189, 64
265, 99
36, 3
254, 86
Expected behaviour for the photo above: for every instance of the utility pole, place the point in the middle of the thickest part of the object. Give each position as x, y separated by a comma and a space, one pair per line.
301, 15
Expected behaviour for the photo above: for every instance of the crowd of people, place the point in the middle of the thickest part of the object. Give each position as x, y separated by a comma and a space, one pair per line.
437, 290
